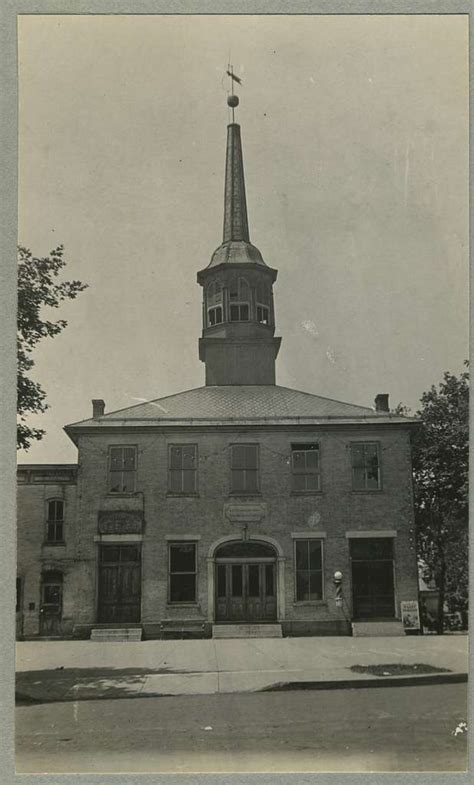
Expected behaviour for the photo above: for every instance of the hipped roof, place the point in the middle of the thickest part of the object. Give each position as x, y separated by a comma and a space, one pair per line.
234, 405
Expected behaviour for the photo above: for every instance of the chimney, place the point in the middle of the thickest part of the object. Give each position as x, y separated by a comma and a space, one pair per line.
381, 402
98, 408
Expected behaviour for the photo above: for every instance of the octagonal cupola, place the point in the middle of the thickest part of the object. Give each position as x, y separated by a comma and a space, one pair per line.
237, 344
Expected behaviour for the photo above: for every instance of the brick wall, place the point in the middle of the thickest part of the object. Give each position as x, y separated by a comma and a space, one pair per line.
334, 511
36, 556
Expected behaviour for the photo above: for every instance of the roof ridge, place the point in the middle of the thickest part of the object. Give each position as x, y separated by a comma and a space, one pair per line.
325, 398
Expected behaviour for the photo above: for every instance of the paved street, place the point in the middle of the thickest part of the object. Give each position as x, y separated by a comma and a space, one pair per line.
345, 730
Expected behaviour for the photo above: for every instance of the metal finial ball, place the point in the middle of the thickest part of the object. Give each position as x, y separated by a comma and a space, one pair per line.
233, 100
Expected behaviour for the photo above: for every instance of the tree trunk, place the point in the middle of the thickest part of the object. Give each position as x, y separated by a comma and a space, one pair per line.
441, 581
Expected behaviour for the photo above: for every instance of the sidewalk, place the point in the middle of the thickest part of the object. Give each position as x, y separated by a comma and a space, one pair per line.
85, 670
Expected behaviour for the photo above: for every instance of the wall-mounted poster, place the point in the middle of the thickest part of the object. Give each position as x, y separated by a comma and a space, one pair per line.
410, 614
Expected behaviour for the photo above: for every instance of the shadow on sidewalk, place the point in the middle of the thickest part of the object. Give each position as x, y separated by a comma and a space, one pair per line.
71, 684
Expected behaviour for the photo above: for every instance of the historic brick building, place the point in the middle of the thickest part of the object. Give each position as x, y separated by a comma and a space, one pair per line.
233, 502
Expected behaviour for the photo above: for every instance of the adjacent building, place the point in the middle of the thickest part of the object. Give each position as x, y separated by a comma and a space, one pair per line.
236, 502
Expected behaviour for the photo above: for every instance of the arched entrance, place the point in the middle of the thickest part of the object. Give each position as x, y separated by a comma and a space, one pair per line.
245, 581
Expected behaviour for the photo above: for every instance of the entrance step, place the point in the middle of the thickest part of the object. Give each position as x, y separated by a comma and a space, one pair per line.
246, 631
377, 628
116, 634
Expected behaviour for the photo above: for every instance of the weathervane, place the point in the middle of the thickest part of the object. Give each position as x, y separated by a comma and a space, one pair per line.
232, 100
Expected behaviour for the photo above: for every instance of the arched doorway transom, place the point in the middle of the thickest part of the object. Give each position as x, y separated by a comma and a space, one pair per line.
245, 581
245, 549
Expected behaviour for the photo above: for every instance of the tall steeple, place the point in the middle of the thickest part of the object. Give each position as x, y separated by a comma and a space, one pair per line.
236, 224
237, 345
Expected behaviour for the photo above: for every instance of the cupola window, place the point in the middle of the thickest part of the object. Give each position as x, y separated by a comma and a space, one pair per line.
214, 303
263, 304
239, 297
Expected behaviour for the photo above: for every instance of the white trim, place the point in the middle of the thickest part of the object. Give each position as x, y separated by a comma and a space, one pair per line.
118, 538
308, 535
251, 538
180, 537
281, 589
368, 533
210, 589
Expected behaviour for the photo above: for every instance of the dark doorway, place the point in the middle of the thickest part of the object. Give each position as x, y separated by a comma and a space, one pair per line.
51, 604
373, 594
245, 582
119, 584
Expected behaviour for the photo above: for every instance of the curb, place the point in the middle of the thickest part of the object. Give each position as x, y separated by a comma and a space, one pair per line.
24, 699
375, 681
21, 699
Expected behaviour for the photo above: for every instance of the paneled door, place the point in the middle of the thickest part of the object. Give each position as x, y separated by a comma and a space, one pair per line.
245, 592
51, 604
119, 584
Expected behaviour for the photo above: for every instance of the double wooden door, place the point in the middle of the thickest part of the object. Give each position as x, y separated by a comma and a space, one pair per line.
119, 584
245, 591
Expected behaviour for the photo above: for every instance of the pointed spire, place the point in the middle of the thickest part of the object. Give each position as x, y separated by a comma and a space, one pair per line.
236, 225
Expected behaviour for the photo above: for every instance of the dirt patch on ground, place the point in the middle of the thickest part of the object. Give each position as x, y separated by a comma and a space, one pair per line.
398, 669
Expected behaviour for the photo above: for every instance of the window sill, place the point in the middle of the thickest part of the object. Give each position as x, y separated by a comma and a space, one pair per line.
54, 544
298, 603
244, 493
182, 604
179, 494
306, 493
367, 490
115, 494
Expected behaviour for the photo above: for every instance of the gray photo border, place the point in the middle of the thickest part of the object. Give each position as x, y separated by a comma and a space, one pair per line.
9, 11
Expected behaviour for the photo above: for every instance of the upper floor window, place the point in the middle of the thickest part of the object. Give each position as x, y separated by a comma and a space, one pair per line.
305, 467
365, 458
239, 299
263, 304
182, 468
122, 469
55, 522
214, 303
244, 468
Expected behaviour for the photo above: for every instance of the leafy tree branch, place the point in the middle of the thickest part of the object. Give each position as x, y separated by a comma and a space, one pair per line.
38, 286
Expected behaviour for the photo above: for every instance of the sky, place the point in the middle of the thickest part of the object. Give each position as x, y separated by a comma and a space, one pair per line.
355, 144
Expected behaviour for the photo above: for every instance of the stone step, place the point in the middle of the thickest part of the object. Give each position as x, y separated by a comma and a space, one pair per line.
377, 628
116, 634
246, 631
